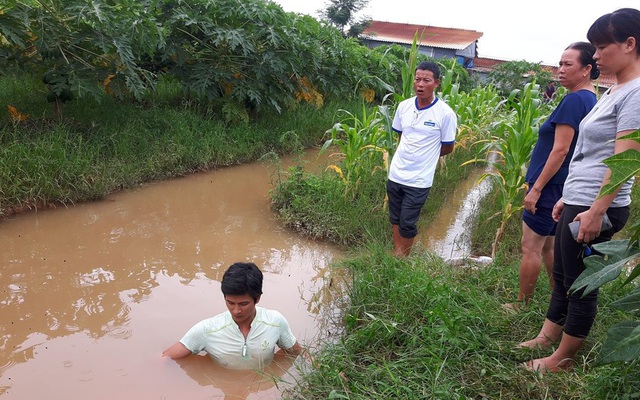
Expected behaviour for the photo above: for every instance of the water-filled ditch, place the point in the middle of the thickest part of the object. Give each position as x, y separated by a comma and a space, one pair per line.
92, 294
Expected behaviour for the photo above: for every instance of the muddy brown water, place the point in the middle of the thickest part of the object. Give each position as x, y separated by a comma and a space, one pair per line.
93, 293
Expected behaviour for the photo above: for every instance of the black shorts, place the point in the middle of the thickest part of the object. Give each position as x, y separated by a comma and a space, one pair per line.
405, 204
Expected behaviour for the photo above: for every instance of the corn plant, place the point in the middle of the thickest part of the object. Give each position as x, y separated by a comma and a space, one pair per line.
447, 79
510, 147
359, 140
409, 70
476, 111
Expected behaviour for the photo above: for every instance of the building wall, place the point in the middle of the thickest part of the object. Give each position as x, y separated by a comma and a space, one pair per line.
434, 52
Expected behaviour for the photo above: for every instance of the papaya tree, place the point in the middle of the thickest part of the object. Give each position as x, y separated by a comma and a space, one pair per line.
79, 45
512, 75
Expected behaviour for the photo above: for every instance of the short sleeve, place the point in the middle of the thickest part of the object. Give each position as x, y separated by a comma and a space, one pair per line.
397, 122
286, 339
194, 338
449, 128
628, 115
572, 110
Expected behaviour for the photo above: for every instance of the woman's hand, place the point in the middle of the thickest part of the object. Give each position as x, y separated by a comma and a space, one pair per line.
590, 225
531, 199
557, 210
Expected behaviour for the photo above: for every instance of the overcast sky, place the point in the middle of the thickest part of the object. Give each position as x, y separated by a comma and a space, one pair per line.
535, 31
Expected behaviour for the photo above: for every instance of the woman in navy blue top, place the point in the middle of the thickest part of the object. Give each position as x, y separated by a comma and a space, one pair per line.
549, 165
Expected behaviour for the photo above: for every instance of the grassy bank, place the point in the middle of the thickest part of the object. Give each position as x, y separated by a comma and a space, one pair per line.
317, 206
421, 329
93, 149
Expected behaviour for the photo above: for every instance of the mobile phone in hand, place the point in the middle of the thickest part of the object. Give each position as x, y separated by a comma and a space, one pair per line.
574, 226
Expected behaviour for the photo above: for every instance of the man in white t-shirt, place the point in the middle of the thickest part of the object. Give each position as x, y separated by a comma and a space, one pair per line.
245, 336
427, 128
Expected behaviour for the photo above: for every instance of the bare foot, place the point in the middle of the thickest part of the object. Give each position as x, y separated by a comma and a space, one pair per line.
549, 364
513, 306
537, 343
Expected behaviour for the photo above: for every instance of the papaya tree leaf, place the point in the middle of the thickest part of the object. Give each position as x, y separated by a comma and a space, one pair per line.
629, 304
627, 249
621, 248
624, 166
622, 343
598, 272
13, 27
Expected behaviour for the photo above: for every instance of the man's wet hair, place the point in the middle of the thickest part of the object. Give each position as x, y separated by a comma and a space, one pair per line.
242, 278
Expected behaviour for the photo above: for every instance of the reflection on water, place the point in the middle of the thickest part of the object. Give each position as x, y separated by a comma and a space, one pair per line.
92, 294
447, 234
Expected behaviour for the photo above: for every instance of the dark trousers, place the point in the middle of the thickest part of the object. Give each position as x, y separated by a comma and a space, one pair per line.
575, 312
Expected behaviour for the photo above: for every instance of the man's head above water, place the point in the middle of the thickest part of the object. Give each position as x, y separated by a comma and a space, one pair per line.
242, 278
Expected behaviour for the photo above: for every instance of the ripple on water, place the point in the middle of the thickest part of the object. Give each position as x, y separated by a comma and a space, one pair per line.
120, 332
6, 365
95, 277
86, 376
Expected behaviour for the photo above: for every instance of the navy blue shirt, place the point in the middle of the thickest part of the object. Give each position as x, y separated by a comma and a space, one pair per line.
572, 108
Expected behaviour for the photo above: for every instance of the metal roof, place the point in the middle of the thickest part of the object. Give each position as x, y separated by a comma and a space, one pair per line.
489, 64
432, 36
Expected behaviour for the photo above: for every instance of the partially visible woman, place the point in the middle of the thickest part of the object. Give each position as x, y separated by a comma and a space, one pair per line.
549, 165
570, 317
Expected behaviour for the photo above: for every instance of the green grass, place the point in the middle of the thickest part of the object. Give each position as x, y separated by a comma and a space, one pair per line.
420, 329
317, 206
95, 148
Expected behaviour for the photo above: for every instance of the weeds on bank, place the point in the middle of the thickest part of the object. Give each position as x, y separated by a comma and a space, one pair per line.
111, 145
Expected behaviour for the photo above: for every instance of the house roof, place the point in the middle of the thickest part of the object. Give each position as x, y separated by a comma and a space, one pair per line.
432, 36
488, 64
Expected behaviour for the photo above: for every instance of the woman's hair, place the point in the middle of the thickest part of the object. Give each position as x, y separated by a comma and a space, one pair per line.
241, 279
587, 50
616, 27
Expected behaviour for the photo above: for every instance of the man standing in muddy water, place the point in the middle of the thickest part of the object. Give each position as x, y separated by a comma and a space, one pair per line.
245, 336
427, 128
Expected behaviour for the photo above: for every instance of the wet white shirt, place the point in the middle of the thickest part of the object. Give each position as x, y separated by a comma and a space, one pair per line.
221, 338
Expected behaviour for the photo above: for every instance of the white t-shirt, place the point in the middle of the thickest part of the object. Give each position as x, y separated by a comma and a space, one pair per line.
221, 338
423, 130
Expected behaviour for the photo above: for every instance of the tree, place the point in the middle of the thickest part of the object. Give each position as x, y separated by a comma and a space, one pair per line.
342, 14
512, 75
